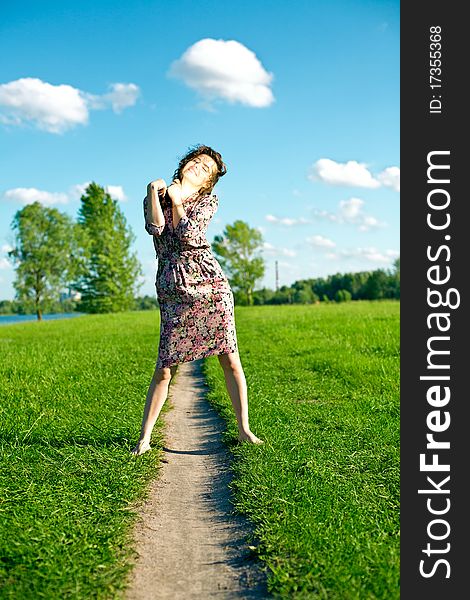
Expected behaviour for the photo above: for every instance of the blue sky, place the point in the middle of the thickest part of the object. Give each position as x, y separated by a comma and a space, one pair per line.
301, 98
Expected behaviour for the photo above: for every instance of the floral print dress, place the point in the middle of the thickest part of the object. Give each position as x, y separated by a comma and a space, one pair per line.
196, 301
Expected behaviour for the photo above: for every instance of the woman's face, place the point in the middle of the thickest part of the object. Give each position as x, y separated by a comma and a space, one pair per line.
199, 169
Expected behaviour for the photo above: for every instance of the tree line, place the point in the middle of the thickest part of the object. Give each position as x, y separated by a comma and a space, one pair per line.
91, 256
341, 287
88, 265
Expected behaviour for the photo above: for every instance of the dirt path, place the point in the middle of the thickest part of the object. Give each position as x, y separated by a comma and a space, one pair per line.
189, 545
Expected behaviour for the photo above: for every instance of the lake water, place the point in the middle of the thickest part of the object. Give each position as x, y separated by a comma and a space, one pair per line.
9, 319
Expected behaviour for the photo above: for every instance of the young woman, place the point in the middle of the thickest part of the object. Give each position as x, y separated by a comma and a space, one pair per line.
195, 298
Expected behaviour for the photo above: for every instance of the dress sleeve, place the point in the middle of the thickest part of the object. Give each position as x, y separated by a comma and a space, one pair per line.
198, 221
150, 227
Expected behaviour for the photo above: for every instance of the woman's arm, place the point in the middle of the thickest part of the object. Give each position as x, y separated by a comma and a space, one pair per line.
178, 212
187, 227
153, 213
177, 209
196, 224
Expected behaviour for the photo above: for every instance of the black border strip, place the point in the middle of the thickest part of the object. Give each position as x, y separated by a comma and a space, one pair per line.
438, 195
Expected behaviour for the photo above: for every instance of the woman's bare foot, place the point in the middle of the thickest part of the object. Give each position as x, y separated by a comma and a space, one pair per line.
141, 447
249, 437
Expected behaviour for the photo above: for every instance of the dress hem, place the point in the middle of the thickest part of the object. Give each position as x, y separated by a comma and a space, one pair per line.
212, 352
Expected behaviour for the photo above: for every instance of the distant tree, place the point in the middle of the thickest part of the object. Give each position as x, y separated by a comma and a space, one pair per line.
375, 287
283, 295
343, 296
7, 307
237, 251
146, 303
320, 287
240, 297
335, 283
303, 295
47, 254
263, 296
359, 285
396, 266
395, 279
110, 282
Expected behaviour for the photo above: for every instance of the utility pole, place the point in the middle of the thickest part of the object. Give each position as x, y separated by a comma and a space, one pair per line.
277, 278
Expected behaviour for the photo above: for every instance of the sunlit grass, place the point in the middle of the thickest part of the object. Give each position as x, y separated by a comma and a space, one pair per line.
323, 491
72, 399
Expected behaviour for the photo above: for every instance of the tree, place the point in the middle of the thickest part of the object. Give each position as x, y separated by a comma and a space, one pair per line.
343, 296
236, 250
396, 267
303, 293
47, 253
262, 296
110, 281
146, 303
395, 279
376, 285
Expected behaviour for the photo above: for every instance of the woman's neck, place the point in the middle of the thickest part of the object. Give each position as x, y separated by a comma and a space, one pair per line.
187, 190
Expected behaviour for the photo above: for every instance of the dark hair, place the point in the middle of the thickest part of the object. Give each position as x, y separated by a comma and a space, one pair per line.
214, 178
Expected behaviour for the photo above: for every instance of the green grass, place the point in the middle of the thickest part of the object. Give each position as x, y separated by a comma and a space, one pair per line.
72, 395
323, 492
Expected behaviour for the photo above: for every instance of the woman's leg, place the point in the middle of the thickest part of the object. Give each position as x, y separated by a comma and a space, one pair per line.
237, 390
156, 396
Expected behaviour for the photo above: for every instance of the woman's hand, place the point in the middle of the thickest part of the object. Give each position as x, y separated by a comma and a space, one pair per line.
158, 186
174, 191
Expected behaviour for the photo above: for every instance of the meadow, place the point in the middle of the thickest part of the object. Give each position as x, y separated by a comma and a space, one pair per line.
323, 491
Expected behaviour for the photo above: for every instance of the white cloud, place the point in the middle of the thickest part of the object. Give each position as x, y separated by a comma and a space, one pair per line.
353, 173
25, 196
324, 214
288, 221
369, 222
4, 263
351, 209
288, 252
320, 242
351, 212
350, 173
120, 97
368, 254
390, 177
57, 108
283, 263
116, 192
76, 191
227, 70
6, 248
273, 250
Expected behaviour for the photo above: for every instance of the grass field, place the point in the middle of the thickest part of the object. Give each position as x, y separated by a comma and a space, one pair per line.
323, 491
72, 399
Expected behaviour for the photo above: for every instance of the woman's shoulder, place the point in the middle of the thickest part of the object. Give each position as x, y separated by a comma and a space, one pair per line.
212, 200
209, 198
205, 201
208, 203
